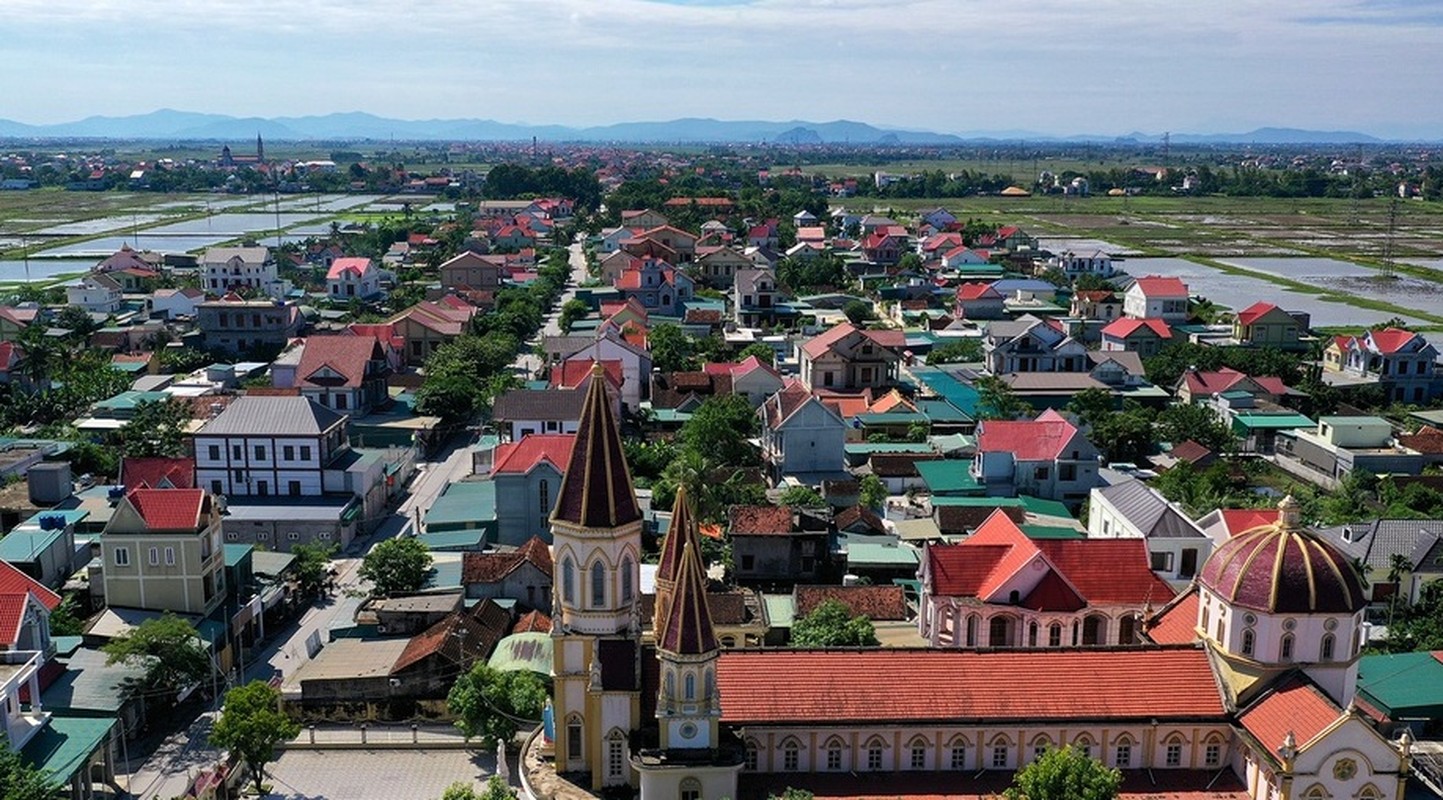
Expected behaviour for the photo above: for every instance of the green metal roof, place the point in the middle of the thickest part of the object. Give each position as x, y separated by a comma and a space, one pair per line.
868, 448
523, 651
236, 553
27, 545
781, 610
892, 418
470, 539
1403, 685
90, 686
1051, 532
881, 555
1267, 421
949, 476
949, 388
64, 745
1035, 505
127, 401
942, 411
465, 505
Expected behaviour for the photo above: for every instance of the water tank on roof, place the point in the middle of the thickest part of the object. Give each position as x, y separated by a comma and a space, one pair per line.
49, 482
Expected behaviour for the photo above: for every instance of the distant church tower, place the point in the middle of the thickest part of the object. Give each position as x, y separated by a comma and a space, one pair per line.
596, 666
260, 150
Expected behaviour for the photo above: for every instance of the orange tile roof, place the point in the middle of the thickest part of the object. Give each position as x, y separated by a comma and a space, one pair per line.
760, 520
168, 509
520, 457
872, 602
1295, 705
1027, 440
1177, 624
1108, 571
811, 687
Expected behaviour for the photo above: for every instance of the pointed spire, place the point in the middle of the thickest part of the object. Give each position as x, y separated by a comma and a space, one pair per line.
687, 629
596, 491
683, 531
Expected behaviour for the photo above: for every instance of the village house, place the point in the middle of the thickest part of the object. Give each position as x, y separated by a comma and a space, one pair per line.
1341, 444
1030, 344
1146, 337
527, 473
978, 301
226, 269
1401, 361
1153, 297
777, 543
344, 373
755, 297
470, 270
426, 326
848, 358
173, 304
523, 412
801, 435
1176, 546
1044, 457
608, 346
234, 325
353, 279
1075, 265
1263, 324
161, 551
1095, 306
96, 292
522, 574
717, 266
1381, 546
657, 285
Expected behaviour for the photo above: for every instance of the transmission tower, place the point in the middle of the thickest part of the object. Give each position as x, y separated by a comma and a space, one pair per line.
1388, 266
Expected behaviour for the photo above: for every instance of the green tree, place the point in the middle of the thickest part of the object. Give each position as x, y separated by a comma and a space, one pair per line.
1092, 405
1124, 435
157, 428
492, 704
801, 497
720, 429
251, 725
961, 350
859, 312
830, 624
168, 649
495, 789
872, 493
764, 353
995, 400
1065, 774
1179, 422
310, 566
396, 566
571, 311
671, 349
65, 619
1419, 627
19, 780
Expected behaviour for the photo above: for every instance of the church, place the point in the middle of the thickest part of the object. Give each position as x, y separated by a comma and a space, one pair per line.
1240, 687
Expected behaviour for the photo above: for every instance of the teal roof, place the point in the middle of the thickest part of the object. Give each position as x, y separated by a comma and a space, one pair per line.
90, 686
1266, 421
520, 651
1403, 685
64, 745
236, 553
670, 415
127, 401
1051, 532
948, 388
881, 555
453, 540
1034, 505
942, 411
892, 418
465, 505
444, 575
129, 366
23, 545
73, 516
1341, 419
949, 476
781, 610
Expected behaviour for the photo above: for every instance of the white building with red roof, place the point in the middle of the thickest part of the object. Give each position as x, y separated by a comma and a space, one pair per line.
1144, 336
353, 278
1044, 457
801, 435
1154, 297
528, 474
1403, 362
848, 359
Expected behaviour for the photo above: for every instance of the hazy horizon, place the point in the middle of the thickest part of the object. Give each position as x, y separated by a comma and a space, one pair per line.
1054, 67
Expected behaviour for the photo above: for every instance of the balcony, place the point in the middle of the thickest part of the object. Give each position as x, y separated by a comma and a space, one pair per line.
20, 669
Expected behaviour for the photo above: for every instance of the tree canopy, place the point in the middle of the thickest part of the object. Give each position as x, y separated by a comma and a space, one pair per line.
19, 780
396, 566
1065, 774
830, 624
495, 789
169, 650
157, 428
492, 704
251, 725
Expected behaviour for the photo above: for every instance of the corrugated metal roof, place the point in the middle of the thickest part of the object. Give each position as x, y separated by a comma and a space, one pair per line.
272, 416
1149, 511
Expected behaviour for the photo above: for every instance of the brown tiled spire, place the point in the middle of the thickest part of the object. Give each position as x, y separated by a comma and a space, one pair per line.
686, 629
683, 532
597, 491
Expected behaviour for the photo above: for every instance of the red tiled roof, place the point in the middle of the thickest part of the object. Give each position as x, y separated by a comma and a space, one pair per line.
571, 374
782, 405
15, 587
494, 566
1108, 571
522, 456
1124, 327
532, 622
1027, 440
1177, 624
1237, 520
1296, 706
1255, 312
873, 602
1156, 286
460, 637
1428, 440
823, 342
976, 291
157, 473
347, 356
1052, 593
341, 266
811, 687
963, 573
1390, 340
168, 509
759, 520
596, 491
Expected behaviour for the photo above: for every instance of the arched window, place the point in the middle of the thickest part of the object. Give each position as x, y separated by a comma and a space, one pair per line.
1370, 792
1001, 749
1054, 635
598, 585
1173, 751
1083, 745
791, 756
1285, 648
834, 754
1094, 630
874, 754
690, 789
972, 631
1326, 649
751, 749
708, 684
957, 754
1032, 634
917, 753
1222, 630
690, 683
568, 580
670, 685
1249, 639
1213, 751
998, 632
616, 753
626, 579
1316, 792
1127, 630
1040, 745
1122, 752
573, 737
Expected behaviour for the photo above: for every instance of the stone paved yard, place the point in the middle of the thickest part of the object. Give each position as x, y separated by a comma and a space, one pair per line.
373, 774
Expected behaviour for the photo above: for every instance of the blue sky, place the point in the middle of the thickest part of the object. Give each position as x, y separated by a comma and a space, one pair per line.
1052, 66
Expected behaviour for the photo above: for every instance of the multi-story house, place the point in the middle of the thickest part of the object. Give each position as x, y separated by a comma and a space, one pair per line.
287, 471
97, 293
1265, 325
528, 473
223, 269
345, 373
1341, 444
675, 239
801, 435
353, 278
1401, 361
608, 346
162, 551
1176, 546
1075, 265
1133, 335
470, 270
659, 286
1154, 297
1044, 457
1030, 344
427, 325
524, 412
848, 359
754, 297
173, 303
234, 325
1097, 305
777, 543
979, 301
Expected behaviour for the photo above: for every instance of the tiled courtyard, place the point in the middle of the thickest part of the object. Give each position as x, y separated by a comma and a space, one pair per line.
374, 774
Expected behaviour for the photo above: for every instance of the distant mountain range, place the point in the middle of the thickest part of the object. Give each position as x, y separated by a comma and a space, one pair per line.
173, 125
